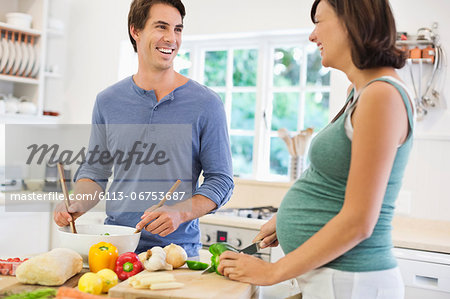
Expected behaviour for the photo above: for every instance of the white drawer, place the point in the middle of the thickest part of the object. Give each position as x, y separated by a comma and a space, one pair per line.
425, 275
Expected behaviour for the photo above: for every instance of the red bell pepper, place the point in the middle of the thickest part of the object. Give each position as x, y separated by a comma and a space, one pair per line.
127, 265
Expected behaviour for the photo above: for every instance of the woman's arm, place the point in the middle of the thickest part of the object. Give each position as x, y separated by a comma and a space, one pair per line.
380, 125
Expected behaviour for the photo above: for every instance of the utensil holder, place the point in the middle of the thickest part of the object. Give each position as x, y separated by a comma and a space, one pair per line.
296, 164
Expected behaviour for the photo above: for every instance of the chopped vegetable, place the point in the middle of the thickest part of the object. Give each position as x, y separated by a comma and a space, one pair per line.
9, 266
36, 294
102, 255
127, 265
195, 265
145, 279
216, 250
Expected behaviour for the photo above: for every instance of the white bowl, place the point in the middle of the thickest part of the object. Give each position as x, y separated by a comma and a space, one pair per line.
19, 19
123, 237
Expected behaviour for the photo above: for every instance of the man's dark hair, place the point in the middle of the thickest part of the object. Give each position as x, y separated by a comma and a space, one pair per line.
139, 14
371, 28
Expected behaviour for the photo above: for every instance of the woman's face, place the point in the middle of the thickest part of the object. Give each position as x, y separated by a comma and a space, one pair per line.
331, 37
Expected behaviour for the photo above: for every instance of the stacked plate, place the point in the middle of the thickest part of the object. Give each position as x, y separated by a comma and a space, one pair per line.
18, 56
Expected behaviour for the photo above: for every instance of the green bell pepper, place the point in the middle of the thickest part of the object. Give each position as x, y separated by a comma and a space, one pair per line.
216, 250
195, 265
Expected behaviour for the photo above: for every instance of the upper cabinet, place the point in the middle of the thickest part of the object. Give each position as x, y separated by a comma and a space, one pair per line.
31, 54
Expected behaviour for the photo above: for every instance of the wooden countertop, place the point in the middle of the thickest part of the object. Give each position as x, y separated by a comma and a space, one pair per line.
421, 234
413, 233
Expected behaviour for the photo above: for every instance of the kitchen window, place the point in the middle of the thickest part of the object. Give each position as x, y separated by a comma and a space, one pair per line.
267, 82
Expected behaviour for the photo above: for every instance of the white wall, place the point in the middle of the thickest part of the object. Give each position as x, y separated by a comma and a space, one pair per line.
96, 28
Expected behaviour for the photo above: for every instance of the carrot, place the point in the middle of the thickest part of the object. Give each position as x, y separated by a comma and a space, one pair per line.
71, 293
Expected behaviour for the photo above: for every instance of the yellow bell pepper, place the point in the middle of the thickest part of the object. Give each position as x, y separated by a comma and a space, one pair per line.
102, 255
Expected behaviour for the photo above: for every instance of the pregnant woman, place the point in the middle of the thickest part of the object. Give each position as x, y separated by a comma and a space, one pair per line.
334, 224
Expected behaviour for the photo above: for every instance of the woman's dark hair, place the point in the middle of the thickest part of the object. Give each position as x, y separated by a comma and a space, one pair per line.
139, 13
371, 28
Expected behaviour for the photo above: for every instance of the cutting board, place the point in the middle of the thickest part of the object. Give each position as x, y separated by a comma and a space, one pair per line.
196, 286
10, 285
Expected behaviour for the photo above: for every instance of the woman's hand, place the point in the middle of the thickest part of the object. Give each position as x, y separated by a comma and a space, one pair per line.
247, 268
268, 234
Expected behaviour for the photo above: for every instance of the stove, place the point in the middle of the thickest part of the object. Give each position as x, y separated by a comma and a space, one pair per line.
238, 227
264, 213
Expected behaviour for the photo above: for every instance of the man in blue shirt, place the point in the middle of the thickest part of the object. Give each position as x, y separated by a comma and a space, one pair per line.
157, 98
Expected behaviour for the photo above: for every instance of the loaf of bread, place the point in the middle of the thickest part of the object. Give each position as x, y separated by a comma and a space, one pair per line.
50, 269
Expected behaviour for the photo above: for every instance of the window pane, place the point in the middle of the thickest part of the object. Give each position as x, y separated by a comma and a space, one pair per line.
182, 63
317, 74
279, 156
243, 111
245, 64
316, 110
215, 68
242, 153
286, 68
285, 110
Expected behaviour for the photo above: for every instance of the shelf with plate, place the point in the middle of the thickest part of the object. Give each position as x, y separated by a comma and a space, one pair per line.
33, 75
14, 28
17, 79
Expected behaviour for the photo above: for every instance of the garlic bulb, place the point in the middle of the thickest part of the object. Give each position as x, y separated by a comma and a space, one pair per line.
156, 260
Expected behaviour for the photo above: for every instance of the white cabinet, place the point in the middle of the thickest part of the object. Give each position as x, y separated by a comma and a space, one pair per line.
24, 233
36, 85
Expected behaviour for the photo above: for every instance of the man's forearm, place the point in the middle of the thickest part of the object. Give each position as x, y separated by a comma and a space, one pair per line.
196, 207
87, 194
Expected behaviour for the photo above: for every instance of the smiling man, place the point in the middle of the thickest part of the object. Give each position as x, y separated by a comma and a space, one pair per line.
158, 96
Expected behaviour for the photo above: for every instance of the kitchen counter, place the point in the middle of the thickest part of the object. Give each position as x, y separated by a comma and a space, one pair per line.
413, 233
421, 234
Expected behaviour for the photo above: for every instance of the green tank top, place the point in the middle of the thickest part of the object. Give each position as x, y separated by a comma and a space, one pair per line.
318, 195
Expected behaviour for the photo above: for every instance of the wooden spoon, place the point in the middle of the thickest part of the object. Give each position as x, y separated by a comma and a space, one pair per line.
66, 196
171, 190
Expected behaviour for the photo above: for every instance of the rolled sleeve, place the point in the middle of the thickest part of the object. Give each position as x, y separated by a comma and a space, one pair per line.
218, 188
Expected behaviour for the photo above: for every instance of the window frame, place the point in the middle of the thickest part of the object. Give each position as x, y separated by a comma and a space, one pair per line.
265, 43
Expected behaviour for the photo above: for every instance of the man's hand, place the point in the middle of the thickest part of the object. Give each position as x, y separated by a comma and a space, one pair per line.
62, 218
162, 221
78, 207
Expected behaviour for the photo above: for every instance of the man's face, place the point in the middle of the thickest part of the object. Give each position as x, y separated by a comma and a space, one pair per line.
159, 41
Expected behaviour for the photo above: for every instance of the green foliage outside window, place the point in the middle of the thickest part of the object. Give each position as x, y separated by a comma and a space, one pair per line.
215, 68
285, 110
286, 67
243, 111
245, 67
279, 157
242, 153
316, 106
317, 73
